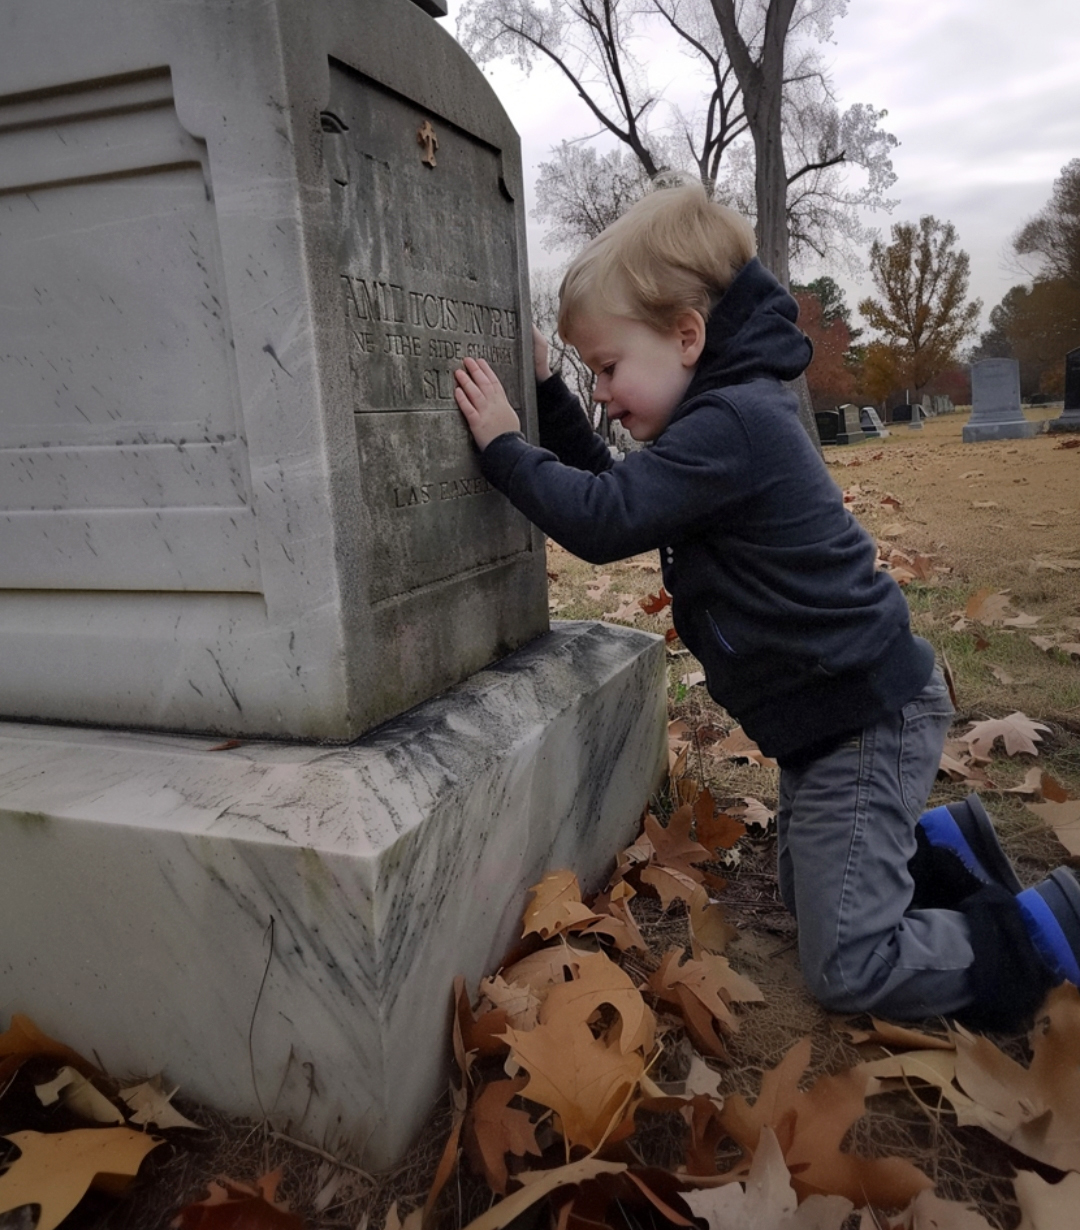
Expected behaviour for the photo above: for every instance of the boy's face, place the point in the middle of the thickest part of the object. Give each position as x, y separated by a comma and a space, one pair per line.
641, 372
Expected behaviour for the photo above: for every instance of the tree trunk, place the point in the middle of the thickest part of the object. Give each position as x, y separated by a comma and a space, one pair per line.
762, 85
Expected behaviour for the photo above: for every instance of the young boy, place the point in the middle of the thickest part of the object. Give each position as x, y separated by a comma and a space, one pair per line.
775, 590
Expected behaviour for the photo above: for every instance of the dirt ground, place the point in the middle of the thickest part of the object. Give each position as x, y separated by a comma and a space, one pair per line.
996, 516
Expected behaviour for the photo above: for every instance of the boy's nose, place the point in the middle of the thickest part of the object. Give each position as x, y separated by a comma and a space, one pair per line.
600, 391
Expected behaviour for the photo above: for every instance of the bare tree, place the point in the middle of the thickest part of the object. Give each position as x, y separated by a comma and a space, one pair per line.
1052, 236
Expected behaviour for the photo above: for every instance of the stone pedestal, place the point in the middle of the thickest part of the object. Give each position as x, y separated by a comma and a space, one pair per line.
149, 881
995, 403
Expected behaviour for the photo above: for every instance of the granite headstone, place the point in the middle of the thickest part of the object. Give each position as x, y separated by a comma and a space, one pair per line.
849, 425
995, 403
871, 422
1069, 419
828, 425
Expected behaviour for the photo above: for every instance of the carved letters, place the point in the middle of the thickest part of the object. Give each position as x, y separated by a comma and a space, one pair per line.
382, 317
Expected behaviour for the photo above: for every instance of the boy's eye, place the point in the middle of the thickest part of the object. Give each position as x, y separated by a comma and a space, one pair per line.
607, 371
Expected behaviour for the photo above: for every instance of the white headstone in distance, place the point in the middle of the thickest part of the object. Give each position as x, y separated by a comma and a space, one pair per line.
995, 403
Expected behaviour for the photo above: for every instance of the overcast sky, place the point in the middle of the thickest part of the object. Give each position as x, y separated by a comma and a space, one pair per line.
983, 95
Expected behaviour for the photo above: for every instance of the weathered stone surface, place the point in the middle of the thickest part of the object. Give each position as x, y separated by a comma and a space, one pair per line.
995, 403
849, 428
149, 881
245, 245
871, 422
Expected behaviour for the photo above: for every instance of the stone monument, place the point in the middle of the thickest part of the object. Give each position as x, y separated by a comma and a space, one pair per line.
850, 425
1069, 419
995, 403
871, 423
246, 245
237, 493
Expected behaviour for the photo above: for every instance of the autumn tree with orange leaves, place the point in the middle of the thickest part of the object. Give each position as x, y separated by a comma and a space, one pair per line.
922, 315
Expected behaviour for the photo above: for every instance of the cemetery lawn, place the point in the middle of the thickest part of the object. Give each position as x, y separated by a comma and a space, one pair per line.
985, 538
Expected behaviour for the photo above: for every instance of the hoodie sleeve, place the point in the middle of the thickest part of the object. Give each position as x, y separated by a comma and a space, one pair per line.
696, 473
565, 429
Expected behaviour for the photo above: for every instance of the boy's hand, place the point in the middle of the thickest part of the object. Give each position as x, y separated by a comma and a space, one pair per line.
481, 400
541, 356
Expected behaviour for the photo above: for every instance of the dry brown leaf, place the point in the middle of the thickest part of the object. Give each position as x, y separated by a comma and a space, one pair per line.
1021, 621
22, 1040
230, 1205
493, 1128
78, 1095
960, 769
545, 968
709, 927
1047, 1206
539, 1185
1017, 731
673, 847
626, 613
653, 604
1072, 648
739, 746
715, 829
1036, 1110
520, 1003
768, 1200
1002, 675
56, 1170
150, 1104
703, 991
987, 606
1045, 643
671, 885
928, 1212
754, 812
482, 1034
692, 679
1064, 818
811, 1125
587, 1083
556, 906
619, 923
885, 1033
598, 980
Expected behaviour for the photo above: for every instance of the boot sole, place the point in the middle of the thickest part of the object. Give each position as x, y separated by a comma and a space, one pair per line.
974, 823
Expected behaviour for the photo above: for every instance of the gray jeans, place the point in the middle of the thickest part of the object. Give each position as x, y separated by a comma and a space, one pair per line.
846, 828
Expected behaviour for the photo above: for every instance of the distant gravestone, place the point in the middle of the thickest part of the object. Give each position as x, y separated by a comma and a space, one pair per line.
1069, 419
995, 403
871, 422
849, 426
828, 425
902, 413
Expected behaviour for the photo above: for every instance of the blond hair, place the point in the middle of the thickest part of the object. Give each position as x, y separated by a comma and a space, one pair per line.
671, 251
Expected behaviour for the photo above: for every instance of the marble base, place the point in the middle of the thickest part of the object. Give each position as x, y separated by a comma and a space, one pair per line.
1011, 429
151, 884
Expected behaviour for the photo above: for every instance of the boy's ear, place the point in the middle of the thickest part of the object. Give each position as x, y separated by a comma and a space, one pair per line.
690, 328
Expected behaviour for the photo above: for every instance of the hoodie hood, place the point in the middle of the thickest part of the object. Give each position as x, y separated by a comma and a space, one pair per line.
751, 333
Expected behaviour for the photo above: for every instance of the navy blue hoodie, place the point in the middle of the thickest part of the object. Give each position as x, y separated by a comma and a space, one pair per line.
774, 584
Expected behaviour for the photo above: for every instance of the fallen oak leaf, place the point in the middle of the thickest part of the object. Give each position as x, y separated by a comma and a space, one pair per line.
538, 1185
1046, 1206
598, 980
987, 606
493, 1128
545, 968
556, 906
653, 604
619, 923
768, 1200
79, 1095
739, 746
23, 1040
520, 1003
55, 1170
1063, 816
753, 812
815, 1122
1017, 731
150, 1103
671, 885
673, 847
709, 927
587, 1083
482, 1034
231, 1205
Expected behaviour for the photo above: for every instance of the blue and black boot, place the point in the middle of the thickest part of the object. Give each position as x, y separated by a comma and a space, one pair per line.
1051, 913
957, 854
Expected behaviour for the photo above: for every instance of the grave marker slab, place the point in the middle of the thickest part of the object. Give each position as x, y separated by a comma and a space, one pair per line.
871, 422
241, 263
995, 403
849, 427
1069, 419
